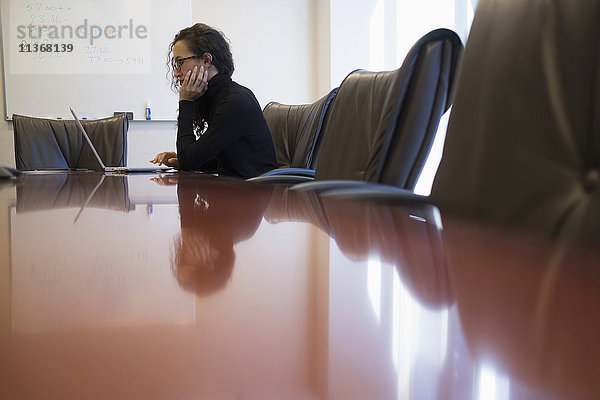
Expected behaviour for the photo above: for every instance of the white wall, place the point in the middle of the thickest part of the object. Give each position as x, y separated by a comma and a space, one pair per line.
359, 28
272, 45
7, 152
376, 35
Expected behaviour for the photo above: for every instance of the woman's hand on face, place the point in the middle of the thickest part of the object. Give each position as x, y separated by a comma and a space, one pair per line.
194, 84
168, 158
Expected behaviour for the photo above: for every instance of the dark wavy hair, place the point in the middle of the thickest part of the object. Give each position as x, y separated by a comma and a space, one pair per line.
204, 279
201, 38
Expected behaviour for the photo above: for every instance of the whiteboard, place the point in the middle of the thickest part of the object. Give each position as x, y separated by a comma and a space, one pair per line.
96, 56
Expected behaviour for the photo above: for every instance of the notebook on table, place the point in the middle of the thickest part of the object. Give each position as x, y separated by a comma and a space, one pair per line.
151, 168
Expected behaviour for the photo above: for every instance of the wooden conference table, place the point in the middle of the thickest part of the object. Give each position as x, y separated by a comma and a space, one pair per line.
187, 286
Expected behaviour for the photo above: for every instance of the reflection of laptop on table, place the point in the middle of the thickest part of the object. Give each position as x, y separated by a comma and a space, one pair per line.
153, 168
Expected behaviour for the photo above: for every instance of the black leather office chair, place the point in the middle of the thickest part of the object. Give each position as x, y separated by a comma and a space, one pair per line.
296, 130
42, 143
523, 152
381, 125
523, 142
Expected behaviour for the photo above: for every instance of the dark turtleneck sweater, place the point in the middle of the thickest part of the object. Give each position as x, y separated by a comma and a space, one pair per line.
237, 138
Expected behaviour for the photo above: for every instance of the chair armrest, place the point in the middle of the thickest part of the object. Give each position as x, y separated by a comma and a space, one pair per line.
281, 179
291, 171
326, 185
360, 190
394, 194
8, 172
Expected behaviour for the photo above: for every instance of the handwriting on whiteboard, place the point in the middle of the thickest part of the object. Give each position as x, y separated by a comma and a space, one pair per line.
58, 37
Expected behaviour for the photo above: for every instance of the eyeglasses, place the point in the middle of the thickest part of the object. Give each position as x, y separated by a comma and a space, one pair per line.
177, 64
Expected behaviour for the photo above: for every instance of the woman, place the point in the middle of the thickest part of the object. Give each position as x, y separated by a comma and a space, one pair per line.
220, 127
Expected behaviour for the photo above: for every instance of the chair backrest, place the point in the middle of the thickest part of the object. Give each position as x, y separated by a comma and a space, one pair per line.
381, 125
523, 141
49, 143
295, 130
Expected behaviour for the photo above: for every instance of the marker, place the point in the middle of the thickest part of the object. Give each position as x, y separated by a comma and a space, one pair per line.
148, 112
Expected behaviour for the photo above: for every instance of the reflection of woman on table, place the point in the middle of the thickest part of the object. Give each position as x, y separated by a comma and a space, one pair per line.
213, 220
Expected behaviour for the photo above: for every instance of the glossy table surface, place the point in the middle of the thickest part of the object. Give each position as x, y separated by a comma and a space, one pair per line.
187, 286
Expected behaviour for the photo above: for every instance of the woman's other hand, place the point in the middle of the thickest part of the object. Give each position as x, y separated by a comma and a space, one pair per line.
168, 158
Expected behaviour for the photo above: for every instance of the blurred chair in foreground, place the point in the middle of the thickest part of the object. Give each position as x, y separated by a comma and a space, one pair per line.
519, 191
523, 141
42, 143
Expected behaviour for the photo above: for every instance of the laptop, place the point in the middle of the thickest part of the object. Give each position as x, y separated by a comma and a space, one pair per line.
153, 168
